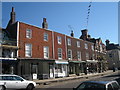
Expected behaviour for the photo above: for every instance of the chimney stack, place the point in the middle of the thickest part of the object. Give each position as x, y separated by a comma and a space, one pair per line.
12, 16
84, 35
72, 34
45, 24
107, 42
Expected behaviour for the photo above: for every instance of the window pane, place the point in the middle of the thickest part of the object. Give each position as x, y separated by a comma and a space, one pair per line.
45, 37
86, 46
46, 52
69, 54
59, 40
69, 41
59, 53
28, 33
79, 55
28, 50
78, 43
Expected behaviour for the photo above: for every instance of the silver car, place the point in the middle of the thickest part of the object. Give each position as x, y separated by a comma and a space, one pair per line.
16, 82
98, 85
2, 86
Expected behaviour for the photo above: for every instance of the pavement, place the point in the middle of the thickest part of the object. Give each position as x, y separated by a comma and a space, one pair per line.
72, 77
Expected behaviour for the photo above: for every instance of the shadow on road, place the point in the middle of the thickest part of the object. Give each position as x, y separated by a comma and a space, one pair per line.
112, 76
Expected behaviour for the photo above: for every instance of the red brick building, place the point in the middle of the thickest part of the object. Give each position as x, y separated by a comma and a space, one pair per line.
44, 53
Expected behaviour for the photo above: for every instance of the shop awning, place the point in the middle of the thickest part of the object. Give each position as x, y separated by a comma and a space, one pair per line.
61, 62
91, 61
9, 46
8, 58
77, 61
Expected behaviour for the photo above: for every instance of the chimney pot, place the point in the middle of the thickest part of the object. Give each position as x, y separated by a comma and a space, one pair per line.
45, 24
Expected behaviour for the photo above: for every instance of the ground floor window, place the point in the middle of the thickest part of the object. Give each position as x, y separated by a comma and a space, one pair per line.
34, 68
58, 68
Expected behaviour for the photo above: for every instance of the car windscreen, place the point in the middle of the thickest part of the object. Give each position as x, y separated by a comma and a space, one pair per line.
91, 86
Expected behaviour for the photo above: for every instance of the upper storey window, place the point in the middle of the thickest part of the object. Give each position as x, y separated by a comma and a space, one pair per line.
78, 43
86, 46
45, 37
28, 33
69, 41
59, 40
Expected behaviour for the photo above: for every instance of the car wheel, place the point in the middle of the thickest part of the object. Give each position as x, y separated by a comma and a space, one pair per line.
30, 87
3, 88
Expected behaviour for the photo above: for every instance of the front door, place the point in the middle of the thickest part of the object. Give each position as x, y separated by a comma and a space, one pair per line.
34, 71
51, 68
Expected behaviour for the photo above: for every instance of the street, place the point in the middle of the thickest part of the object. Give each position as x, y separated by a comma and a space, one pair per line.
69, 85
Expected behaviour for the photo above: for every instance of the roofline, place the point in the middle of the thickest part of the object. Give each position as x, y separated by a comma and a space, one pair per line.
55, 32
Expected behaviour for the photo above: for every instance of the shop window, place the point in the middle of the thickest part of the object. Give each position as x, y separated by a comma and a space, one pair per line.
34, 68
59, 68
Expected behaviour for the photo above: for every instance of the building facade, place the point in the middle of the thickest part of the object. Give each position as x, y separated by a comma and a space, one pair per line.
113, 55
8, 51
43, 53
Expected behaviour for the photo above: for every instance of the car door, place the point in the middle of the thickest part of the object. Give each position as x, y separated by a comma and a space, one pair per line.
19, 82
8, 81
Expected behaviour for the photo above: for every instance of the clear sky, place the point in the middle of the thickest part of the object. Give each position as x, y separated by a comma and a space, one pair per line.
103, 20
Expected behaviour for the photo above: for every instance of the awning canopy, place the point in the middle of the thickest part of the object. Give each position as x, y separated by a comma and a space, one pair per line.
9, 46
8, 58
61, 62
91, 61
77, 61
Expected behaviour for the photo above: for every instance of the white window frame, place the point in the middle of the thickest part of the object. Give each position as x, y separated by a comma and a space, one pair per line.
69, 41
59, 40
92, 47
28, 33
28, 50
45, 36
46, 52
86, 46
101, 48
78, 44
59, 53
87, 55
70, 54
79, 55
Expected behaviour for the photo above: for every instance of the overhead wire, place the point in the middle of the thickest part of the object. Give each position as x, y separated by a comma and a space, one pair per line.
88, 13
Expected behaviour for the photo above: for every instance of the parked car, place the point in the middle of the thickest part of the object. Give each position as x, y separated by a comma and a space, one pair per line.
16, 82
2, 86
98, 85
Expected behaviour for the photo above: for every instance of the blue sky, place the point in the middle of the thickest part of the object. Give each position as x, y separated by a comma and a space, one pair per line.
103, 20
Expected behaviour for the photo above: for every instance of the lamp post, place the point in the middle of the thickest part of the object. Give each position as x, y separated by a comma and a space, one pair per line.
0, 66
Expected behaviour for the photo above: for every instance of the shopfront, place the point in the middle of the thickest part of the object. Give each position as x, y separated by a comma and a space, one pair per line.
91, 66
76, 67
36, 68
8, 65
61, 68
